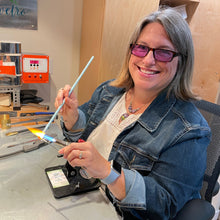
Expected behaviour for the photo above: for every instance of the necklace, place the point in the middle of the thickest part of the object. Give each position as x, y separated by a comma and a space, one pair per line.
131, 111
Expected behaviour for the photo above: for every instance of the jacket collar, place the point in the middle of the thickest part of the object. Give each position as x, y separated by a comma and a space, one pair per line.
157, 111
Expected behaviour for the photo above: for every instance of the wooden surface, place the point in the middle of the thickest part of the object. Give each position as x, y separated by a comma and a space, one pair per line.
91, 38
206, 34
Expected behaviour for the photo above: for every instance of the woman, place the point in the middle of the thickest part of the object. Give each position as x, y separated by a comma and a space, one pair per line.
143, 121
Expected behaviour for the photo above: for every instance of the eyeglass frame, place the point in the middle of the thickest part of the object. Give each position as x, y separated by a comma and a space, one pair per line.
175, 54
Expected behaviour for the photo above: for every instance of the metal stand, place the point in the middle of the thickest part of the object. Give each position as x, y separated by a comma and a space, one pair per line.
15, 89
10, 53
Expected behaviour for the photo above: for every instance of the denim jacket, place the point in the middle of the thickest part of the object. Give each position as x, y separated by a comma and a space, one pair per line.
163, 153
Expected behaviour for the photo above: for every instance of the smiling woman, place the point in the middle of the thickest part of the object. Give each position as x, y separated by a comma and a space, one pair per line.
145, 122
150, 75
180, 43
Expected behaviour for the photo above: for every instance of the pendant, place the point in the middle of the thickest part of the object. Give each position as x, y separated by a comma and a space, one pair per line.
124, 116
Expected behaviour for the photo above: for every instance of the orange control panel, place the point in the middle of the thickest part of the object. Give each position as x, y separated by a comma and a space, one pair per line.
35, 68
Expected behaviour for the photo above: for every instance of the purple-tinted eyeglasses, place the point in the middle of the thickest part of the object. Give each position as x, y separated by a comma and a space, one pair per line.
161, 55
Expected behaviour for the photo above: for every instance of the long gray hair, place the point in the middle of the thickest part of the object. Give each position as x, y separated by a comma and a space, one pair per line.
180, 35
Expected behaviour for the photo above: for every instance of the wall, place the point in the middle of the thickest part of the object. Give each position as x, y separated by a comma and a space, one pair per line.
206, 34
58, 35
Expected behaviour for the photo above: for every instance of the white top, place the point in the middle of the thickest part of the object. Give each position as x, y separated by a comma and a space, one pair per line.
105, 134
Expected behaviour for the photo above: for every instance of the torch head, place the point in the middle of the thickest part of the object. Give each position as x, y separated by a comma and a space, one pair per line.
41, 135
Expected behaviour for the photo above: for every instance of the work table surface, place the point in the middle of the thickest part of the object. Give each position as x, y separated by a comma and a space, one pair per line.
26, 193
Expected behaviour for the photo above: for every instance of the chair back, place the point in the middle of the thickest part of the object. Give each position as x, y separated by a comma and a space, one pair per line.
211, 112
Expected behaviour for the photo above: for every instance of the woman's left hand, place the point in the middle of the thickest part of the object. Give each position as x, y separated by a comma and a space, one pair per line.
85, 155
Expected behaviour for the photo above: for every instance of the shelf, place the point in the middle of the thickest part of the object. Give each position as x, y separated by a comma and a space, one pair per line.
174, 3
191, 6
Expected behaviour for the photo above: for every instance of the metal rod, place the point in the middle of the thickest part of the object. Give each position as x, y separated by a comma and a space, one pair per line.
57, 141
62, 143
74, 85
13, 145
38, 119
20, 131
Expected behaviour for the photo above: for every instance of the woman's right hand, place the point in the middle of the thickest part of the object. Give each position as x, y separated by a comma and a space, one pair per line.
69, 111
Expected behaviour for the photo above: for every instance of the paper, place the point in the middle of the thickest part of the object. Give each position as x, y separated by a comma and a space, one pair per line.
57, 178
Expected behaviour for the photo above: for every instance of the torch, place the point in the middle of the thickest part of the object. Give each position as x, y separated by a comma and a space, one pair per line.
41, 135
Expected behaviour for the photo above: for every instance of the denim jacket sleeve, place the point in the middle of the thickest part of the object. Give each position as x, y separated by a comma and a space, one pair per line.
74, 134
134, 196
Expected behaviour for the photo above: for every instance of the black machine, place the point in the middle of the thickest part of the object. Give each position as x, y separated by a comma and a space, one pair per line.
65, 180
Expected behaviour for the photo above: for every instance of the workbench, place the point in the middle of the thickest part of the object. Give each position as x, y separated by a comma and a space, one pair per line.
25, 192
